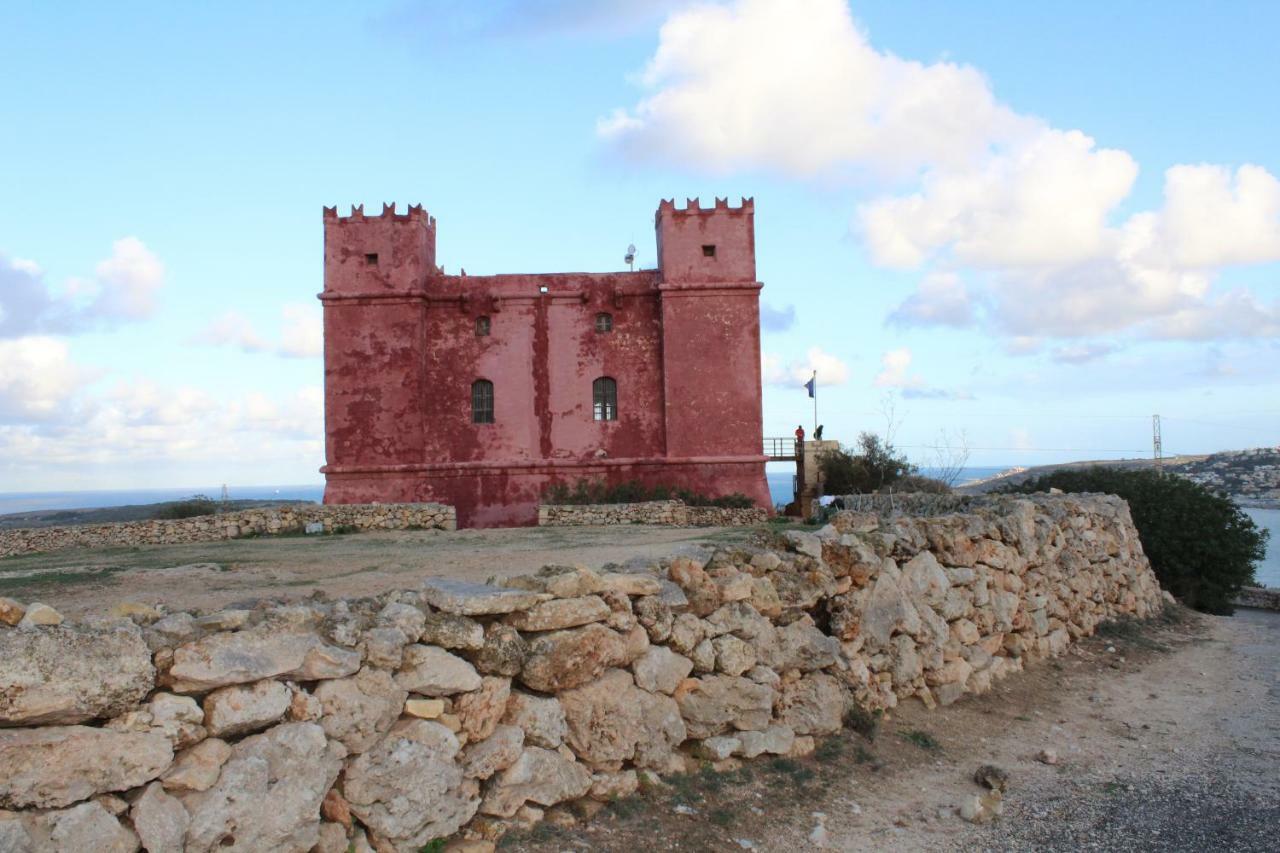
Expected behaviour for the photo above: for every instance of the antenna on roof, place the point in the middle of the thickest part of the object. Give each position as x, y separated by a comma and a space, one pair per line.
631, 257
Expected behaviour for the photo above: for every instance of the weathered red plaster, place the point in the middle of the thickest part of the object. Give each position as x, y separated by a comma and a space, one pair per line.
401, 352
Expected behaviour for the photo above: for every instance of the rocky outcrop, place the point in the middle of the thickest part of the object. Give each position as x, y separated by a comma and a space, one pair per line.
460, 708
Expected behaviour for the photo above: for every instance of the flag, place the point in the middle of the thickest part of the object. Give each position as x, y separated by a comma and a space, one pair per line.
812, 386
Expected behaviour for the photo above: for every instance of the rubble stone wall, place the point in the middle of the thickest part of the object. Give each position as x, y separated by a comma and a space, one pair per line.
649, 512
458, 708
232, 525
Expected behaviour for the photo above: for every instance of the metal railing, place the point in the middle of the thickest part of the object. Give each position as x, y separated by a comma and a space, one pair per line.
780, 448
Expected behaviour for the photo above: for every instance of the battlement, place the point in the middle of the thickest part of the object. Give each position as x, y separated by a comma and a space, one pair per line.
693, 207
415, 213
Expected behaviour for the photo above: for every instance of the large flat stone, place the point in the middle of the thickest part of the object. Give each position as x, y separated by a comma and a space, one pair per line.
60, 765
473, 599
62, 675
266, 651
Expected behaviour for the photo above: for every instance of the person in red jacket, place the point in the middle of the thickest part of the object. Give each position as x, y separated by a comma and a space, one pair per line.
800, 434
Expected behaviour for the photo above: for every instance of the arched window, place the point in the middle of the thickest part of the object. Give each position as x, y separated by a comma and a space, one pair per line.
482, 402
604, 322
482, 327
604, 394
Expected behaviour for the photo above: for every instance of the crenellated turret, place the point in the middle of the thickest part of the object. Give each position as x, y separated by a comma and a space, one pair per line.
388, 251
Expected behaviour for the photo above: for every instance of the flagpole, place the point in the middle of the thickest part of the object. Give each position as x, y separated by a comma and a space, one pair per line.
815, 402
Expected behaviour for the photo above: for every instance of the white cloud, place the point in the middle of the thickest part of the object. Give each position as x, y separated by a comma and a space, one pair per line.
1012, 219
128, 280
37, 380
1082, 353
830, 369
941, 299
301, 333
123, 289
796, 86
894, 367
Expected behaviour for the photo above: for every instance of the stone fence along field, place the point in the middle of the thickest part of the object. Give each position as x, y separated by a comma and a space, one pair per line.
649, 512
462, 710
268, 521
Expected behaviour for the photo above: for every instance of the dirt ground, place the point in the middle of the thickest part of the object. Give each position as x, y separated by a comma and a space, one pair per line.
209, 575
1168, 743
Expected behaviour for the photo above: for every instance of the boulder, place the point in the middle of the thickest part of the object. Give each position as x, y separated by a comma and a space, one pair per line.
63, 675
541, 718
236, 710
559, 581
629, 583
802, 646
425, 709
887, 608
661, 670
603, 718
384, 647
409, 619
717, 703
87, 826
473, 599
408, 788
160, 820
662, 730
732, 655
538, 775
496, 752
39, 615
264, 651
503, 652
360, 709
450, 631
11, 612
480, 710
924, 580
434, 672
268, 793
655, 616
560, 660
775, 740
560, 613
701, 591
56, 766
197, 768
812, 705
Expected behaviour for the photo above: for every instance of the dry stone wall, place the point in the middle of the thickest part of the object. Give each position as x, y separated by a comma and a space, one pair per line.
322, 518
457, 709
649, 512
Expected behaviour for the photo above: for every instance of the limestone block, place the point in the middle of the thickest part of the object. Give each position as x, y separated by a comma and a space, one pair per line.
451, 631
56, 766
717, 703
264, 651
160, 820
61, 675
603, 718
197, 768
434, 672
237, 710
560, 660
473, 599
661, 670
541, 718
496, 752
540, 776
360, 709
480, 710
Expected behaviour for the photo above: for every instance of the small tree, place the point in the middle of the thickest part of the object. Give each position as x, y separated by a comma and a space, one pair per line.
1202, 547
875, 465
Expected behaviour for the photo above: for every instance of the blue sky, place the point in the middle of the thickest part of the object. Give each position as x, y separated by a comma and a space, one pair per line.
1024, 228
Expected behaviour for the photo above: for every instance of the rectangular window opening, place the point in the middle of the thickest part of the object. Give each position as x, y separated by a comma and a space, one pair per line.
708, 251
371, 259
542, 288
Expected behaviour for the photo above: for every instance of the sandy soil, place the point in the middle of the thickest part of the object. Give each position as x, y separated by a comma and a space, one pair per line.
1168, 743
214, 574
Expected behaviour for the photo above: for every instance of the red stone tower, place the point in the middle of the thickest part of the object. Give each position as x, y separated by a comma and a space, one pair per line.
407, 347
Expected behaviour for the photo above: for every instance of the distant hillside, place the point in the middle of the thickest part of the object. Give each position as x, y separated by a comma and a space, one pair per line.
1251, 477
105, 515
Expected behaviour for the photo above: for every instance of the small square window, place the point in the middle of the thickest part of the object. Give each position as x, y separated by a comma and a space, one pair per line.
604, 322
708, 251
371, 259
482, 327
542, 288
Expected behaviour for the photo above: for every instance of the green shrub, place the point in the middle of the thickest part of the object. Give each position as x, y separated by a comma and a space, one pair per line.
190, 508
1201, 546
632, 492
873, 465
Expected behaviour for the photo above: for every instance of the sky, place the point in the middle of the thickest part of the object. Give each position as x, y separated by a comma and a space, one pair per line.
1021, 229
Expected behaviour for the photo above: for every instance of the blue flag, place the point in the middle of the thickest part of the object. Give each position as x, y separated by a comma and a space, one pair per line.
812, 386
